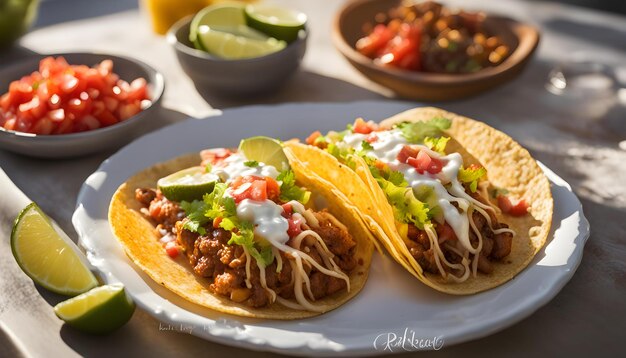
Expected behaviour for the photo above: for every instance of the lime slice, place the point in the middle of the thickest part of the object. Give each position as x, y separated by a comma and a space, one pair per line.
266, 150
282, 24
188, 184
224, 15
230, 46
100, 310
48, 255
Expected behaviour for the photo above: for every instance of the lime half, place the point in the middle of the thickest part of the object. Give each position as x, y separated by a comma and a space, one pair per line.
282, 24
100, 310
223, 16
233, 46
48, 255
188, 184
265, 150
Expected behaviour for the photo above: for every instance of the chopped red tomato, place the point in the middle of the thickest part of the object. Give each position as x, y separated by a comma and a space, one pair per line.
420, 160
62, 98
214, 156
371, 138
310, 140
254, 188
519, 208
294, 227
363, 127
400, 49
217, 221
372, 44
273, 189
171, 249
258, 190
287, 210
405, 153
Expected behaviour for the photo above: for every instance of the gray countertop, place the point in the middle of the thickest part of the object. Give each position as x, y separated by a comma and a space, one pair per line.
580, 145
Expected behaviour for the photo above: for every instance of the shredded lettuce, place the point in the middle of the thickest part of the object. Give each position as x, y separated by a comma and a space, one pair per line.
416, 132
406, 207
289, 190
472, 175
437, 144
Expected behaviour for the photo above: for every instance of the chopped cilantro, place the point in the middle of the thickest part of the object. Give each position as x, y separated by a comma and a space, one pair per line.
289, 190
366, 146
195, 216
251, 163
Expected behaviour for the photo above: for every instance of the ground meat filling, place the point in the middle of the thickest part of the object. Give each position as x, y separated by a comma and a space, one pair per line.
495, 246
224, 265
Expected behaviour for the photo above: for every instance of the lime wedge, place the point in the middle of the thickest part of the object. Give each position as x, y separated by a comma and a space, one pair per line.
48, 255
188, 184
265, 150
280, 23
224, 15
231, 46
100, 310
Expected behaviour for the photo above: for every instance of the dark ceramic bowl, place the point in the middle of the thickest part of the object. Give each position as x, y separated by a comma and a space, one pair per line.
235, 77
83, 143
521, 38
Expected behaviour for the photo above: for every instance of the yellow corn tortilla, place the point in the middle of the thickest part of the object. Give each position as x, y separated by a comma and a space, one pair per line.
508, 166
140, 241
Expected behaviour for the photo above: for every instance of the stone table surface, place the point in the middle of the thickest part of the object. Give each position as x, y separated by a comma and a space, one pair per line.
582, 141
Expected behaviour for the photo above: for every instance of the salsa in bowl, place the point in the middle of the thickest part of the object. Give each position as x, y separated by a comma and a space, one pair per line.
74, 104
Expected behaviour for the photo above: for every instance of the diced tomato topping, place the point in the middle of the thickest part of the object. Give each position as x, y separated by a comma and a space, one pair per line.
420, 160
249, 187
311, 139
171, 249
216, 222
514, 209
372, 138
445, 232
273, 189
405, 153
70, 98
294, 227
363, 127
258, 190
287, 210
214, 156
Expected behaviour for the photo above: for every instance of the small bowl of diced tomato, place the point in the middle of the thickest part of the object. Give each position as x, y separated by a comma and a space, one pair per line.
74, 104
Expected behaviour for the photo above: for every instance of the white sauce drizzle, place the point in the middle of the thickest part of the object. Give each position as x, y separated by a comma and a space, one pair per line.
446, 187
266, 216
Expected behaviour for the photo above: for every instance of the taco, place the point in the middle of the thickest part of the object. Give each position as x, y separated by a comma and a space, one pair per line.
244, 233
460, 205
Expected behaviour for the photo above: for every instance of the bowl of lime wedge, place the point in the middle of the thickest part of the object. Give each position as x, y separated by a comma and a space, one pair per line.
238, 49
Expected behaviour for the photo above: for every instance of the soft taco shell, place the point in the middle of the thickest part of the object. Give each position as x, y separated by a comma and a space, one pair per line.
140, 241
508, 166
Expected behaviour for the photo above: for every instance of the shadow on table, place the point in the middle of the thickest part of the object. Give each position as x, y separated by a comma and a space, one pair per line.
604, 35
80, 9
304, 86
14, 53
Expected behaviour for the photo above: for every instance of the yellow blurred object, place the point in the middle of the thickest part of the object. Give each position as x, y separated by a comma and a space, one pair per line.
164, 13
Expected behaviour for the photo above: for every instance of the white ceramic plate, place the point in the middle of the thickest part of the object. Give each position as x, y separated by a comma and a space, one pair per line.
392, 304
